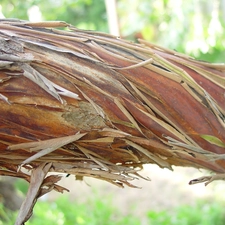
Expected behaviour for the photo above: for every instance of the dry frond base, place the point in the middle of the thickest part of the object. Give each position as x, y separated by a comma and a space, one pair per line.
91, 104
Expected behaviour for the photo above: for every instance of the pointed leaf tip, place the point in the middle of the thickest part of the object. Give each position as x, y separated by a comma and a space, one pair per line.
213, 140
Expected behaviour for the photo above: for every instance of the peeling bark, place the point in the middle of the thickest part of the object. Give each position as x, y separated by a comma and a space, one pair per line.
92, 104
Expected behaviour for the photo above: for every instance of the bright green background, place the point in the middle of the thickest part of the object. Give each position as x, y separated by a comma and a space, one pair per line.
100, 211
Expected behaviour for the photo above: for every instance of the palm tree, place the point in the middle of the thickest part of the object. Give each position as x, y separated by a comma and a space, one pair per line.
91, 104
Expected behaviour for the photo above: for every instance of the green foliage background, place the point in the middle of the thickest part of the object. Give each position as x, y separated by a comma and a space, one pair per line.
101, 212
195, 27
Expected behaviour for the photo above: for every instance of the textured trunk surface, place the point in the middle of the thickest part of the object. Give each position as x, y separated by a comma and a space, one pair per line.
91, 104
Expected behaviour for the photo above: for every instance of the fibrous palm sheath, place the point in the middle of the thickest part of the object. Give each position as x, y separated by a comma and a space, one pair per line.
95, 105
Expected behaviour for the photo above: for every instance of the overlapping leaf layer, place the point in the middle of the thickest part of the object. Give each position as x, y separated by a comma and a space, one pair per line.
96, 105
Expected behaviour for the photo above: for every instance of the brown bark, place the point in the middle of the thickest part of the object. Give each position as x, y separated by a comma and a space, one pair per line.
96, 105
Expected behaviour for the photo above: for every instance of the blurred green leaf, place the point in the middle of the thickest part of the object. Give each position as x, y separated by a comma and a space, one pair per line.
213, 140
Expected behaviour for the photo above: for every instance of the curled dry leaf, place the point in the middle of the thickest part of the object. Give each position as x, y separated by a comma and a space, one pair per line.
37, 177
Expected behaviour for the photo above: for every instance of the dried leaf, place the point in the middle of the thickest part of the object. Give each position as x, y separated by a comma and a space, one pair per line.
208, 179
127, 114
46, 146
37, 178
162, 163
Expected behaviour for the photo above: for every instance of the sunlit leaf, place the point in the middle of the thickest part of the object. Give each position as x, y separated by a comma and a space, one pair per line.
213, 140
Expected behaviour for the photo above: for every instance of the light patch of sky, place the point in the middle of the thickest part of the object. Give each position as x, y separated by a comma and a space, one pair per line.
214, 29
176, 6
34, 14
1, 14
215, 26
199, 41
56, 3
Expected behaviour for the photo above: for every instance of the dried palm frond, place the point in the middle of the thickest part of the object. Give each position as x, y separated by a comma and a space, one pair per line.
92, 104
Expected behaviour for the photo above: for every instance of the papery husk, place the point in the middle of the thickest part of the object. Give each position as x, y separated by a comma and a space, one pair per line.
95, 105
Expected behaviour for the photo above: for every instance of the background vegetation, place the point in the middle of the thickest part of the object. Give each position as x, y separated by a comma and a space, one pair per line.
99, 211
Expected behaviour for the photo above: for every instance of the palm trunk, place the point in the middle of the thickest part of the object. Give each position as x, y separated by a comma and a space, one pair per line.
91, 104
